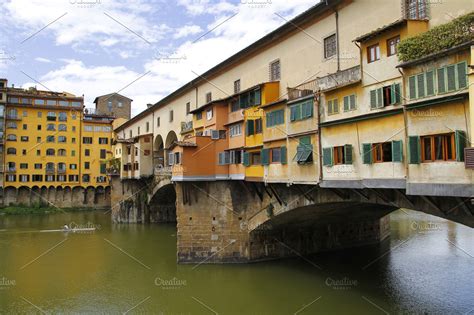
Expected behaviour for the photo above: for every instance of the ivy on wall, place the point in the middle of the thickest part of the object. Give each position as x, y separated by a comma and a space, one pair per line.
439, 38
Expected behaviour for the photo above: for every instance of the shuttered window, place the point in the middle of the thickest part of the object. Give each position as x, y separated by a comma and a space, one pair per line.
265, 154
333, 106
461, 142
246, 161
250, 127
462, 75
397, 151
412, 87
420, 85
338, 155
301, 111
304, 152
367, 153
430, 89
451, 78
414, 150
283, 155
275, 118
327, 156
350, 102
441, 80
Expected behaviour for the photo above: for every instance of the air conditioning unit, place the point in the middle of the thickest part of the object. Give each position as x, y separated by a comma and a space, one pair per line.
215, 134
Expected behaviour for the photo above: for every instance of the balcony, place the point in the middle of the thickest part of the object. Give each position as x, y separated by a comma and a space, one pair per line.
335, 80
186, 126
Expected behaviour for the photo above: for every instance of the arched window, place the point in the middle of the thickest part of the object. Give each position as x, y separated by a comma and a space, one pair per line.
62, 167
11, 137
49, 166
61, 139
50, 152
62, 116
11, 125
50, 139
62, 127
61, 152
12, 113
11, 151
11, 166
51, 127
51, 116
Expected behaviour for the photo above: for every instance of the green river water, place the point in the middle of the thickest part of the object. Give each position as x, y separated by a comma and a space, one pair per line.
426, 267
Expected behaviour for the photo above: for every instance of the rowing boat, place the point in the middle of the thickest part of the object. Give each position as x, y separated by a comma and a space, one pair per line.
69, 230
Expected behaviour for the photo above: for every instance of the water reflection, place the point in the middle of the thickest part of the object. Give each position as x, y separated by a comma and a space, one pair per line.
425, 267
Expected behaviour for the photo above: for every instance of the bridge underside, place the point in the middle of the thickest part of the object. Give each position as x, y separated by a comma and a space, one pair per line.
238, 221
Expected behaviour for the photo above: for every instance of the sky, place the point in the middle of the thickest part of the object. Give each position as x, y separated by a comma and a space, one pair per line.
143, 49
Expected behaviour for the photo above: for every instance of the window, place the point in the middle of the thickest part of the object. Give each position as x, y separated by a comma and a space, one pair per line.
11, 125
24, 178
235, 130
234, 105
301, 111
38, 127
258, 126
73, 140
40, 114
61, 152
330, 46
73, 166
275, 155
51, 127
304, 151
333, 106
25, 113
224, 158
103, 153
23, 166
87, 140
61, 178
392, 46
61, 167
62, 127
208, 97
38, 166
157, 121
11, 166
236, 156
76, 104
438, 148
373, 53
209, 114
103, 140
138, 130
275, 71
11, 151
338, 155
103, 168
23, 152
385, 96
37, 178
38, 152
416, 9
50, 152
171, 116
87, 152
50, 139
39, 102
188, 108
25, 127
24, 139
51, 116
73, 152
147, 126
109, 106
86, 178
62, 139
255, 158
11, 137
250, 98
120, 104
73, 178
350, 102
236, 86
274, 118
11, 178
62, 116
382, 152
63, 103
87, 165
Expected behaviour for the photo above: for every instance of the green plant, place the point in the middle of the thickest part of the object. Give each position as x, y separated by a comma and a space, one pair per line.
454, 33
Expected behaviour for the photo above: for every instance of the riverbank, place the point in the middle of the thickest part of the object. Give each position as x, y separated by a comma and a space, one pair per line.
39, 210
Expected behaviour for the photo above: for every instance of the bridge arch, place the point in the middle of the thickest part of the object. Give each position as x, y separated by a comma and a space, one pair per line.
162, 203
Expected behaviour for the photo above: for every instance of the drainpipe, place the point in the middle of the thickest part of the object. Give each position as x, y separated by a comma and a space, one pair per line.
405, 120
317, 97
337, 42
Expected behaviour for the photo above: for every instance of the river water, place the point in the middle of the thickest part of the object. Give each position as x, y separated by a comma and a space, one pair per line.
426, 267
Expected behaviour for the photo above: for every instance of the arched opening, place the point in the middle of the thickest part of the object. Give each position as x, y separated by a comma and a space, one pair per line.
162, 206
158, 153
170, 139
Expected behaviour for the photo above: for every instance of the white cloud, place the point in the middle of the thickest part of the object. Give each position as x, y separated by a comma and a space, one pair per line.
44, 60
187, 30
198, 7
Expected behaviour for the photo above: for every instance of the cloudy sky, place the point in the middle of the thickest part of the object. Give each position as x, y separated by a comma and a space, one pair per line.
143, 48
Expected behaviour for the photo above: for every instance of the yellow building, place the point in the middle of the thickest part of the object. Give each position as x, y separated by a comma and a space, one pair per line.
51, 142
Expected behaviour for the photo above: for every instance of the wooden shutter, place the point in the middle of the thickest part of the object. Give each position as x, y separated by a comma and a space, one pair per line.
461, 140
451, 74
297, 112
430, 89
462, 75
412, 87
283, 155
441, 75
397, 151
293, 113
305, 141
335, 105
395, 91
327, 156
246, 160
352, 102
265, 153
329, 105
367, 153
420, 85
346, 103
380, 97
348, 154
373, 99
250, 127
414, 150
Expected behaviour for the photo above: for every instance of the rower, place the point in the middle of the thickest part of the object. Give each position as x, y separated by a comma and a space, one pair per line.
65, 227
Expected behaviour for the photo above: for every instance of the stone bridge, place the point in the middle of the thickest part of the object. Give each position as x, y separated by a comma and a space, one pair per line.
239, 221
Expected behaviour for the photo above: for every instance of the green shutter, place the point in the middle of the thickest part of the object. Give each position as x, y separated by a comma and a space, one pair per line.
327, 156
461, 141
380, 97
257, 97
293, 113
352, 102
462, 75
283, 155
265, 153
430, 89
329, 105
297, 112
335, 105
420, 84
305, 141
397, 93
441, 74
414, 150
246, 159
268, 123
412, 87
367, 153
397, 151
250, 127
451, 73
348, 154
373, 99
346, 103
